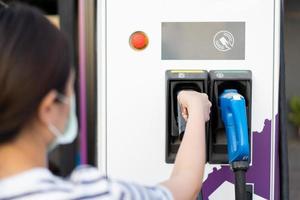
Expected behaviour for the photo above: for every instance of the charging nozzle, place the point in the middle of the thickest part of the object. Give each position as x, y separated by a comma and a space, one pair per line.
180, 120
234, 116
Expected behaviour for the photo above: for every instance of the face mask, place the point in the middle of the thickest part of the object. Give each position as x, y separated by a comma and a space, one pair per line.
71, 130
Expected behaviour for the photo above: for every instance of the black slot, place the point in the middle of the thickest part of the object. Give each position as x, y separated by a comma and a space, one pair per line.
175, 82
220, 81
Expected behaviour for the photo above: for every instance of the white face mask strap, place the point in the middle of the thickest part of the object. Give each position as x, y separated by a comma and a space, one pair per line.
54, 130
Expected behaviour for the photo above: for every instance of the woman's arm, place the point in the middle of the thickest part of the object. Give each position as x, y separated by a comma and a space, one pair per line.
186, 179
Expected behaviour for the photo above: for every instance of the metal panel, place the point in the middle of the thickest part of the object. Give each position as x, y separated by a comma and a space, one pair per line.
203, 40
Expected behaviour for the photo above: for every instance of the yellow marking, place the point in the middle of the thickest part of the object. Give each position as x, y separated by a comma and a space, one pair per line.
187, 71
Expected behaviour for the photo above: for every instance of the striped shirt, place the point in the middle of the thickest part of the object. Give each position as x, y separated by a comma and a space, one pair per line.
85, 183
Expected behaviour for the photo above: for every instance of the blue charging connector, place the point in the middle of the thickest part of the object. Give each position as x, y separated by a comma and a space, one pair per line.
234, 116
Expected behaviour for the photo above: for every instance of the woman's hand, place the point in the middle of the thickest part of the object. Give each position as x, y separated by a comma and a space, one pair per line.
192, 102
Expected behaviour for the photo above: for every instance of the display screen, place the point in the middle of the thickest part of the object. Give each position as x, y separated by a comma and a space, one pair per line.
203, 41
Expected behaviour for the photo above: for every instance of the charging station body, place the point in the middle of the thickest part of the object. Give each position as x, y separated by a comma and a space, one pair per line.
134, 97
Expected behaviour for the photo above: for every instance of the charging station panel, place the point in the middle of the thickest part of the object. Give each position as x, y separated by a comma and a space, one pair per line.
137, 140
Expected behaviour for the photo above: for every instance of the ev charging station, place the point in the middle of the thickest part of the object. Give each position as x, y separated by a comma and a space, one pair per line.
150, 50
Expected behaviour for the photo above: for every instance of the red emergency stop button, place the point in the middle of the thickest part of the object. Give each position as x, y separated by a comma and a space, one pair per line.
138, 40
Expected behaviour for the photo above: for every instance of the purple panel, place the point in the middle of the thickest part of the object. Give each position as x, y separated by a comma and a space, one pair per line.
277, 177
258, 173
82, 83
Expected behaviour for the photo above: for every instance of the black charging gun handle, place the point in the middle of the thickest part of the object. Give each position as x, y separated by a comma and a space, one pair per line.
240, 168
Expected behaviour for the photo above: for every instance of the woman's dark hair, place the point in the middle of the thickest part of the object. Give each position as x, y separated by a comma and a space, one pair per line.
34, 59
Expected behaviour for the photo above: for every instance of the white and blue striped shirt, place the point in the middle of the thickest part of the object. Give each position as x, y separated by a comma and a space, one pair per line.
85, 183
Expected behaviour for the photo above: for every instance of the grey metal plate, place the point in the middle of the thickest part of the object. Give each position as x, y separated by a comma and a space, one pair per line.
203, 41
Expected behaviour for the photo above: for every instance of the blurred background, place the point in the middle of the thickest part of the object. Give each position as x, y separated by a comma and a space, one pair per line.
77, 19
292, 52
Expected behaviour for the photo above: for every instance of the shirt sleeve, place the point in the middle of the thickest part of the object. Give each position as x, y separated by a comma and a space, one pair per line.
90, 182
129, 191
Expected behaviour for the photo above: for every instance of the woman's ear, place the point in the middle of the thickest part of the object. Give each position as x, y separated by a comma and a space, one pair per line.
46, 110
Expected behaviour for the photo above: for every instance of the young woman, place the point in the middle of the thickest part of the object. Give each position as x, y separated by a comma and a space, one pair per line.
37, 112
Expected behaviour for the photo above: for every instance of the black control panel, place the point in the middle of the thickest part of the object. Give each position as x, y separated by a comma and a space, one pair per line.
213, 83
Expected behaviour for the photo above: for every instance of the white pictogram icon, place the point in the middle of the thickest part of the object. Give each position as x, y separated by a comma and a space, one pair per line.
220, 75
181, 75
223, 41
